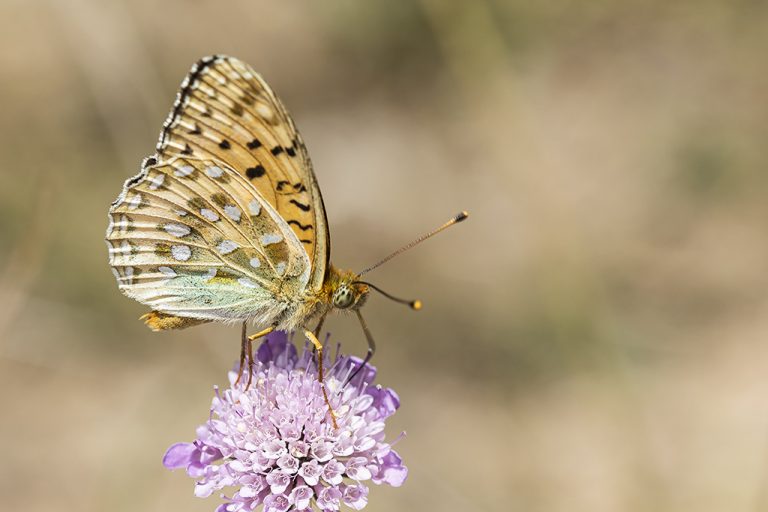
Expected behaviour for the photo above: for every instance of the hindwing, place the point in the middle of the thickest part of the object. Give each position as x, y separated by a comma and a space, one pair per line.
193, 238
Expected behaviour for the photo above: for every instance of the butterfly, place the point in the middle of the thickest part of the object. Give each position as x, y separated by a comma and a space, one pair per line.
226, 222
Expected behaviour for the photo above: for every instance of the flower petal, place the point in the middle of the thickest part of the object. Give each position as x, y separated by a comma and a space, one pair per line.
364, 376
276, 503
276, 344
385, 400
179, 455
300, 496
355, 496
392, 471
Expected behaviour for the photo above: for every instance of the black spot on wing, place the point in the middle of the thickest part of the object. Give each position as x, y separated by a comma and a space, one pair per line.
187, 150
237, 109
195, 130
254, 144
281, 184
290, 151
255, 172
300, 206
300, 225
305, 241
224, 144
277, 150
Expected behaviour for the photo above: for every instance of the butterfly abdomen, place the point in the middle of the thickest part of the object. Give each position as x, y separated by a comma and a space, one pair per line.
159, 321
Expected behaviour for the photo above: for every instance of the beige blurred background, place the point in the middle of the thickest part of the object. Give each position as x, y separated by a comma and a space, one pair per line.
594, 338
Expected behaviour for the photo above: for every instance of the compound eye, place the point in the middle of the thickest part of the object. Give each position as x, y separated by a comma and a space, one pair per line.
343, 298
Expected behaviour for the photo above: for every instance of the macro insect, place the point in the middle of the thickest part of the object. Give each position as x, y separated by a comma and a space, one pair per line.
225, 222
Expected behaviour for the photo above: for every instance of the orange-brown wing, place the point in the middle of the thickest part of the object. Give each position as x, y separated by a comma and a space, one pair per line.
225, 110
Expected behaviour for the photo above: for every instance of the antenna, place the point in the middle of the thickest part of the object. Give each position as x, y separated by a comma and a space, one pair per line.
456, 219
413, 304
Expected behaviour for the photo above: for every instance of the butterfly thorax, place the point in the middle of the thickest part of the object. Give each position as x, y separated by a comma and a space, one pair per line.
339, 291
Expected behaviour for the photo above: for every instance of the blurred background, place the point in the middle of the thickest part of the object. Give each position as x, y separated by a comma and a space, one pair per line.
594, 338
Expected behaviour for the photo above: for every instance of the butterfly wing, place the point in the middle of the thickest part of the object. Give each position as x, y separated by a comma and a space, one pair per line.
192, 238
226, 111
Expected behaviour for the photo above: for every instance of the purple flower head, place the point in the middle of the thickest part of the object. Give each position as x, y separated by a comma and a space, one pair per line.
275, 442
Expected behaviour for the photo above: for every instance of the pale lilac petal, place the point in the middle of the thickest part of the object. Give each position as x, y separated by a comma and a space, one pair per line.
332, 472
298, 449
364, 376
300, 496
355, 496
392, 471
275, 347
310, 472
288, 463
385, 400
329, 498
321, 450
274, 449
179, 455
344, 446
276, 503
208, 454
205, 489
278, 481
357, 469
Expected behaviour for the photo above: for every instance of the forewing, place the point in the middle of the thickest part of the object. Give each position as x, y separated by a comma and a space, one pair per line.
191, 237
225, 110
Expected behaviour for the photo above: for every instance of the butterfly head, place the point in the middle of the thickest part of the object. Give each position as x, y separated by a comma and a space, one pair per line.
349, 295
345, 292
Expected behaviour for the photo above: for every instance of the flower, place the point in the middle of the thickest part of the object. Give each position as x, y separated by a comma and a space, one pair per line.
275, 441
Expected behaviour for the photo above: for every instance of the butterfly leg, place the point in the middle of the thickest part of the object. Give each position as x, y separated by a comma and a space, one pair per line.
249, 349
371, 347
320, 325
246, 351
317, 332
243, 348
248, 341
261, 334
319, 347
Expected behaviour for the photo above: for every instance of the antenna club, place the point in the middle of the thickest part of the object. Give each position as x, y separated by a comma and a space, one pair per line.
461, 216
416, 305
